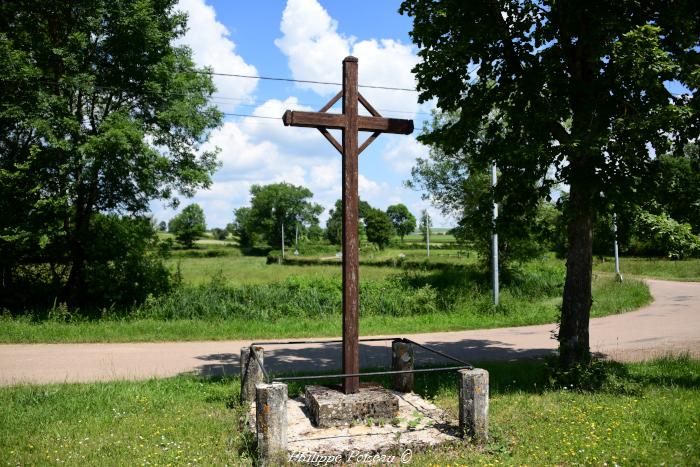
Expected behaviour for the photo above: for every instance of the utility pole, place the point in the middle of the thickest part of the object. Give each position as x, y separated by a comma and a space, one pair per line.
427, 231
494, 238
617, 255
283, 239
296, 239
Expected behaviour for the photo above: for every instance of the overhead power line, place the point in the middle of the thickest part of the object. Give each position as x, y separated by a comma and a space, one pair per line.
244, 102
306, 81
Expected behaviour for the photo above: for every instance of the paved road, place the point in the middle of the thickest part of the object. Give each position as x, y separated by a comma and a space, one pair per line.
669, 325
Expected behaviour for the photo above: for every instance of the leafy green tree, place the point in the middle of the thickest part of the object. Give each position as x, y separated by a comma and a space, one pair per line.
100, 113
334, 224
379, 228
189, 225
126, 265
661, 235
560, 92
676, 189
242, 227
219, 233
461, 190
277, 205
404, 222
162, 226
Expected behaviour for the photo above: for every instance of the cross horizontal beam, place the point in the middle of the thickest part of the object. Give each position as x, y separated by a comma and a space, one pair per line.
337, 122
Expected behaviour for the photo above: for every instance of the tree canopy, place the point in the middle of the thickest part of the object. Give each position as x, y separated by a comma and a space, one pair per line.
189, 225
334, 224
273, 206
561, 92
100, 113
379, 228
404, 222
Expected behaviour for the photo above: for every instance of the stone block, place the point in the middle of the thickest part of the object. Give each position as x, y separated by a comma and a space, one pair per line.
251, 372
474, 404
402, 359
329, 406
271, 421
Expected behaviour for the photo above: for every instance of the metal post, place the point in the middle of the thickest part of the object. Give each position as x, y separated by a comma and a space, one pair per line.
427, 232
617, 255
282, 238
296, 239
494, 239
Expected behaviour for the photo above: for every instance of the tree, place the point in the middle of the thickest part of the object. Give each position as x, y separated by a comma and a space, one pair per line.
189, 225
379, 228
162, 226
100, 113
242, 227
460, 188
676, 189
403, 220
334, 224
219, 233
564, 92
277, 205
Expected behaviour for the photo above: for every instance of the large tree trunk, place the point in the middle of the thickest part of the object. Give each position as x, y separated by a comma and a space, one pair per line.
576, 307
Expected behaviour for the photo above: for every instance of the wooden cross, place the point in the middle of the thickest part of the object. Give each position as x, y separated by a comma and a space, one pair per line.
350, 123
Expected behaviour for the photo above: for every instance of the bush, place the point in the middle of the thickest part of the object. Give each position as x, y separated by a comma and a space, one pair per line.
126, 263
661, 235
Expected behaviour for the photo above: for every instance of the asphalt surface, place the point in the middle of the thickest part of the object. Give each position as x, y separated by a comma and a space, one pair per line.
671, 324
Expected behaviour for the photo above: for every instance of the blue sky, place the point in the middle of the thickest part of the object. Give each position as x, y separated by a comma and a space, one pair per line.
302, 39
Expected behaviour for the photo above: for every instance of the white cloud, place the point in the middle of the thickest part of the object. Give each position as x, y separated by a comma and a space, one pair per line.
211, 46
401, 153
259, 151
315, 50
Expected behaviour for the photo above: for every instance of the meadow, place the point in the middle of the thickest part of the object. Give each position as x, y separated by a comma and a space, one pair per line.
227, 293
653, 268
640, 414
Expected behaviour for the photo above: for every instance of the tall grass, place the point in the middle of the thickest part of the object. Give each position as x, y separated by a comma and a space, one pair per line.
442, 297
410, 292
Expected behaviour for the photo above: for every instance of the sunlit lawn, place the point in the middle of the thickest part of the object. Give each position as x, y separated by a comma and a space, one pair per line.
649, 415
685, 270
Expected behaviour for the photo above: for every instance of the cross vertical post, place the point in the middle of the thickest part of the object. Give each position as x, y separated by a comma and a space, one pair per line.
350, 123
351, 243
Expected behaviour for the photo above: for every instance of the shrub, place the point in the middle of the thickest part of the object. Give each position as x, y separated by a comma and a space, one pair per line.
661, 235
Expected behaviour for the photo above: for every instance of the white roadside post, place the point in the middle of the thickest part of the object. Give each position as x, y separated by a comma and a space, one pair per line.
427, 231
494, 238
618, 276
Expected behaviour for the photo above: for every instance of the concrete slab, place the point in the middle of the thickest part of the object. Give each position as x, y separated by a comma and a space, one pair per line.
418, 425
328, 406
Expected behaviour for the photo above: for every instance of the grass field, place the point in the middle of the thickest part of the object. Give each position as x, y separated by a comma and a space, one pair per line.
609, 297
646, 414
228, 295
685, 270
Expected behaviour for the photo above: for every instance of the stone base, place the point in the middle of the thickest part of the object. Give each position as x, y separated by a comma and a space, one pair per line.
418, 426
329, 406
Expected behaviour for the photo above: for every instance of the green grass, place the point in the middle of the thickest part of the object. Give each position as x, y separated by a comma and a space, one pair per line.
228, 295
254, 270
685, 270
435, 237
473, 312
655, 419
